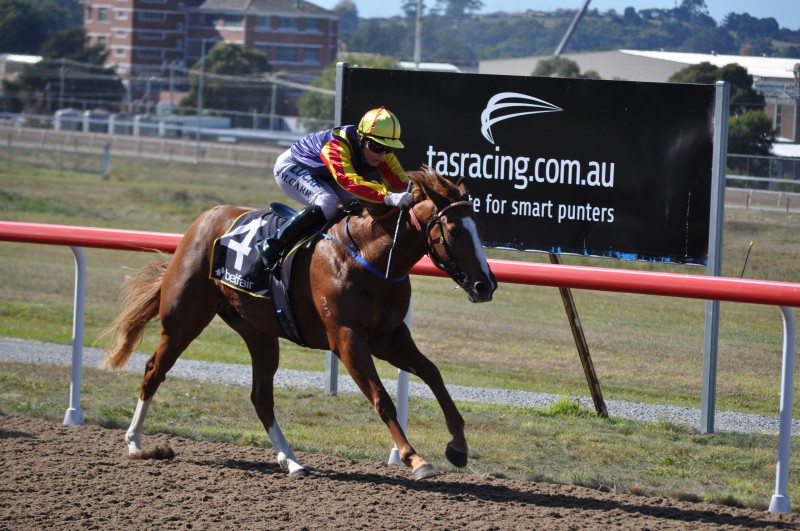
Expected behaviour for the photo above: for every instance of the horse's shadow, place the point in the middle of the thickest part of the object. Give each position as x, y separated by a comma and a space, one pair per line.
462, 491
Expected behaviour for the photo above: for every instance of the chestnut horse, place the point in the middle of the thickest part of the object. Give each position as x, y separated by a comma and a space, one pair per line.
340, 302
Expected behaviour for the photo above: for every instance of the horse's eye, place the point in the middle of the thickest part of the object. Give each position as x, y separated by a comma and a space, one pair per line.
454, 233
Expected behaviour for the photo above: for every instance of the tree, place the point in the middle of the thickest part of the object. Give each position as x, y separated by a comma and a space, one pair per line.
743, 96
751, 133
348, 16
562, 67
233, 79
457, 9
69, 70
21, 28
317, 108
26, 24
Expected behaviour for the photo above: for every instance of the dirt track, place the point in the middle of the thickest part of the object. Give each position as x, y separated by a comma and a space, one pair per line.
54, 476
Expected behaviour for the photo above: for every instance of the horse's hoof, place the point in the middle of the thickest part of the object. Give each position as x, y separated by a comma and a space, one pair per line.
455, 456
424, 472
299, 473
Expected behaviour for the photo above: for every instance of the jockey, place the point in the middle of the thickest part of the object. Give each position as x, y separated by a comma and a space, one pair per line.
326, 169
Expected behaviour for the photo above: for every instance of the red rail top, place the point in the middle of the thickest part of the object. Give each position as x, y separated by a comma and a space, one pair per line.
567, 276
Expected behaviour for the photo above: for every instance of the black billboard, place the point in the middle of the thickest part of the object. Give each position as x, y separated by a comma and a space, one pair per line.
598, 168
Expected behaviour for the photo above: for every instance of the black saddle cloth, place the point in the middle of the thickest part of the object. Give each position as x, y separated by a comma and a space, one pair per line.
235, 261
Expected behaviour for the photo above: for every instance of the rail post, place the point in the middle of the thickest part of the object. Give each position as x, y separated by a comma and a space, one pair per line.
74, 414
780, 502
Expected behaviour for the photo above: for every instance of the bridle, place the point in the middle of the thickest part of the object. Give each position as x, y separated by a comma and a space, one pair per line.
444, 262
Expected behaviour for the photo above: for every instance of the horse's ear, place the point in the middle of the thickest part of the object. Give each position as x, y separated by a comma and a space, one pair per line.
462, 186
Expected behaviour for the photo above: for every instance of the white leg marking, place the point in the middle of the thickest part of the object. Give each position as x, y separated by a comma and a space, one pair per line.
286, 458
133, 437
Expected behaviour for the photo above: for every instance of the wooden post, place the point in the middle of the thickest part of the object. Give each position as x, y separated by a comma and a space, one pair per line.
583, 347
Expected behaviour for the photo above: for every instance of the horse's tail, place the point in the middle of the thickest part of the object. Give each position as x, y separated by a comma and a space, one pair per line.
141, 297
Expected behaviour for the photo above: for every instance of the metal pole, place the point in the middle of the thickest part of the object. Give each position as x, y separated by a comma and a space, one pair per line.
74, 414
780, 502
583, 347
571, 29
331, 361
200, 102
418, 36
716, 214
61, 86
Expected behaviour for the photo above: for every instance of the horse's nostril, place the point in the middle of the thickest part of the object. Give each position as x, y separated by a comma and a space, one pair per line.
481, 287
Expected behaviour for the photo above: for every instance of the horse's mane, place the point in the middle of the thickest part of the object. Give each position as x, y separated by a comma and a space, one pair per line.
429, 182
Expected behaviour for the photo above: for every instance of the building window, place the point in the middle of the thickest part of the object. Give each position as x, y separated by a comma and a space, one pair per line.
119, 52
313, 25
209, 20
233, 21
151, 35
120, 34
152, 16
287, 24
286, 54
264, 23
102, 14
121, 14
146, 53
102, 40
778, 118
311, 55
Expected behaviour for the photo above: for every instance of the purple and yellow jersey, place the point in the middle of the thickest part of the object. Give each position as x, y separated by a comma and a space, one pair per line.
337, 152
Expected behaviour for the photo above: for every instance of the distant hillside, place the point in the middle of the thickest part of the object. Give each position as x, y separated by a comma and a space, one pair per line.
469, 38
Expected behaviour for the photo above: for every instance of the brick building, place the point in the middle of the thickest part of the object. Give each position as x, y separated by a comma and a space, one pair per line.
149, 38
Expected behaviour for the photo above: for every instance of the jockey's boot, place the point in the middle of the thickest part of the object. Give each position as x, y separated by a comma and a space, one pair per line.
271, 248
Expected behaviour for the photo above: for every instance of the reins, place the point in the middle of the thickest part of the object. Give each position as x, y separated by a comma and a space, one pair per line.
352, 250
445, 263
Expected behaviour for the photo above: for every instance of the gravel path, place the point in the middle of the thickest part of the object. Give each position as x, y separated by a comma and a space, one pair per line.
24, 351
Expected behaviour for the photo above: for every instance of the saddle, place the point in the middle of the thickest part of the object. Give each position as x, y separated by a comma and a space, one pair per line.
235, 262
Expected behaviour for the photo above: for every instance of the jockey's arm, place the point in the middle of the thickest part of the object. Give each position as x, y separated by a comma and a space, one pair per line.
392, 173
338, 157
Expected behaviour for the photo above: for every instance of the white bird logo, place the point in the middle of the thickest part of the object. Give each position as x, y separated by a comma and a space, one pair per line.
512, 101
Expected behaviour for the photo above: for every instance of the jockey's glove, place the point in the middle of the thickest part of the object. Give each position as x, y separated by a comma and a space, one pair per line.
398, 199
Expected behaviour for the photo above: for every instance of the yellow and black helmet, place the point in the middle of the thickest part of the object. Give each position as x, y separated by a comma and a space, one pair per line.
381, 126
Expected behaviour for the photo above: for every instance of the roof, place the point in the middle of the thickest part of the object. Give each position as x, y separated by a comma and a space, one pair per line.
633, 65
779, 149
430, 67
18, 58
763, 67
292, 8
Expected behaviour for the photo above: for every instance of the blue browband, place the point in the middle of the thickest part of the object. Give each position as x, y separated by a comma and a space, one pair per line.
353, 252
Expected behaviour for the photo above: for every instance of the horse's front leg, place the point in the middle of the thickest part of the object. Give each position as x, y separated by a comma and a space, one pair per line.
354, 353
399, 349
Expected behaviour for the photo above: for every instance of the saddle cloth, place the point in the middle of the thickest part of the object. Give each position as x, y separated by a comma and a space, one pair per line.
235, 260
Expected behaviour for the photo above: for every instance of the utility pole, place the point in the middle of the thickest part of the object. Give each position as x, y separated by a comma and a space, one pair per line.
200, 102
418, 36
61, 85
171, 85
571, 28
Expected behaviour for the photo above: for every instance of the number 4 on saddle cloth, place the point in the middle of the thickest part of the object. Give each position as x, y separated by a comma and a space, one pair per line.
235, 261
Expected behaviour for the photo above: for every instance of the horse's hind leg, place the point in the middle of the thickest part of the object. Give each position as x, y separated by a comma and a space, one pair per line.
183, 317
400, 350
265, 354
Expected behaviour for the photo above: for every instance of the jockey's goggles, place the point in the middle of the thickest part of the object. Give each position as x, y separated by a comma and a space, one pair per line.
377, 148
